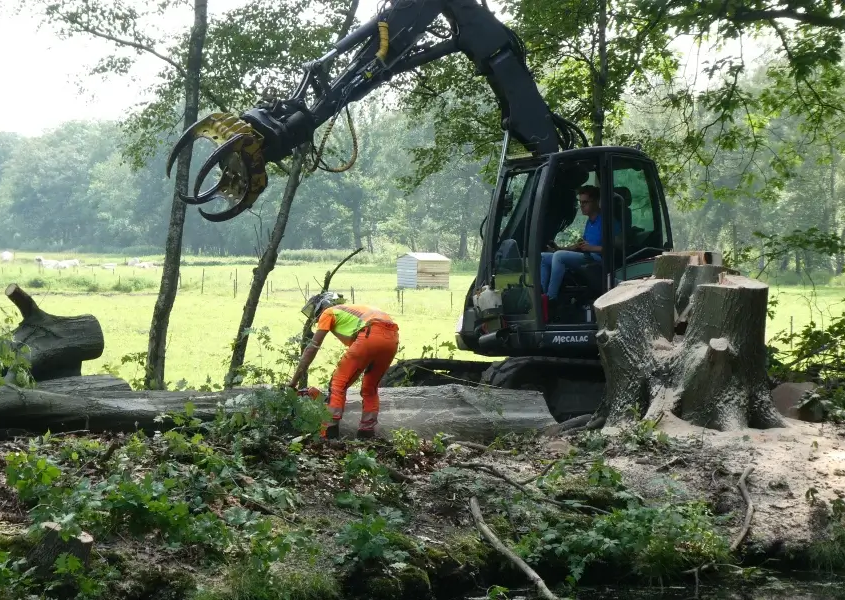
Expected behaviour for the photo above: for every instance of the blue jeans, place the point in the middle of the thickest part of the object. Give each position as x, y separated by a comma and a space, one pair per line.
553, 266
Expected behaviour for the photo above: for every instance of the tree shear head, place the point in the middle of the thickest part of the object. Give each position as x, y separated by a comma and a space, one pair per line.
239, 156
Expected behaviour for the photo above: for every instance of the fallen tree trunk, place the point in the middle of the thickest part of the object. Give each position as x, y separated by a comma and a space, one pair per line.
55, 346
103, 403
714, 376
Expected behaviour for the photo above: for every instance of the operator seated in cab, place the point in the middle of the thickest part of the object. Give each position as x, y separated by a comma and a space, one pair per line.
553, 264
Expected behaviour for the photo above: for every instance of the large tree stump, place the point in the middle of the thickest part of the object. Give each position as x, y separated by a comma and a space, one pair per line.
714, 376
55, 346
44, 553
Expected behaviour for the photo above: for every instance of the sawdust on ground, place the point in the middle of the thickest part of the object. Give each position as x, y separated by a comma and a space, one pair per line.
789, 463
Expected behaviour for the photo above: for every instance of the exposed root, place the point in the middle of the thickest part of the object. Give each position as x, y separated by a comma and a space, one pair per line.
488, 535
749, 512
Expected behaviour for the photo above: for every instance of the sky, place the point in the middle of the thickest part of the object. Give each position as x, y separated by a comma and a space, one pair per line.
49, 85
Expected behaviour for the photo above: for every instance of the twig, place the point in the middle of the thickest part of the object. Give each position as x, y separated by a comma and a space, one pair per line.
491, 470
64, 433
488, 534
115, 444
545, 470
482, 447
672, 461
749, 512
399, 476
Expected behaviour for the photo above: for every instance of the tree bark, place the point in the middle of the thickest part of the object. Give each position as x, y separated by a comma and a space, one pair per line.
265, 265
714, 376
157, 347
54, 346
96, 404
600, 76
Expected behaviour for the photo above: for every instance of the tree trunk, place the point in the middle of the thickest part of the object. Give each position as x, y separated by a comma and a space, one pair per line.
97, 405
354, 204
54, 346
260, 273
714, 376
271, 253
600, 77
157, 347
463, 250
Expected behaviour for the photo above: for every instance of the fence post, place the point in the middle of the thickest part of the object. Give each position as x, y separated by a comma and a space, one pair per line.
790, 331
353, 295
202, 282
403, 301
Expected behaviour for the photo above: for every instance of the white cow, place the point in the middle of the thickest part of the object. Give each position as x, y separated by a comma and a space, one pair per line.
133, 261
7, 256
67, 264
46, 263
145, 265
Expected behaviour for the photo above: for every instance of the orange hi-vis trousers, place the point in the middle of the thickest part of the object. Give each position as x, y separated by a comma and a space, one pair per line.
370, 354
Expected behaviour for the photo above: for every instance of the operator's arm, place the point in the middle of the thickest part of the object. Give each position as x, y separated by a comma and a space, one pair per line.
308, 356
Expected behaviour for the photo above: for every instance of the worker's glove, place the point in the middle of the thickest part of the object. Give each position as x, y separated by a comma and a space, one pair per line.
239, 156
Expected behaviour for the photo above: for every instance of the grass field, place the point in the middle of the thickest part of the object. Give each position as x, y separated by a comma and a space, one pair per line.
208, 308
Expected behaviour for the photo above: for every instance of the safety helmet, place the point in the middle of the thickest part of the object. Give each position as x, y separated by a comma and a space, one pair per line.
319, 302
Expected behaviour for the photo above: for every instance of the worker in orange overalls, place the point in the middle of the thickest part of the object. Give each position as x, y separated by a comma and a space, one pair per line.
372, 340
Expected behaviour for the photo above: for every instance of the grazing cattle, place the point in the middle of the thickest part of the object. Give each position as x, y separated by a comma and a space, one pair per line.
46, 263
57, 264
133, 261
7, 256
145, 265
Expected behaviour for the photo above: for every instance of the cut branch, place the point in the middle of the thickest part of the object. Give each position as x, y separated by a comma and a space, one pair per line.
488, 534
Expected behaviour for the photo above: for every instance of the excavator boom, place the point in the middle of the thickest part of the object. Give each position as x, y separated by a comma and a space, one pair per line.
391, 43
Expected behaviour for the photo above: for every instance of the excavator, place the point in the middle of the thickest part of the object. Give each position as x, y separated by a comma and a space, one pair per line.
505, 313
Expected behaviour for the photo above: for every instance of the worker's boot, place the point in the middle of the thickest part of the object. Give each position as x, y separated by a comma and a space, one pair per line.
332, 432
365, 434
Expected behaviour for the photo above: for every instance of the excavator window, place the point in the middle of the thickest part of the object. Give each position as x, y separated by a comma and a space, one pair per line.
637, 204
512, 218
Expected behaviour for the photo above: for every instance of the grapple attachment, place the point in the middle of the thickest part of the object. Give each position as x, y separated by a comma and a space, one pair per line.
239, 156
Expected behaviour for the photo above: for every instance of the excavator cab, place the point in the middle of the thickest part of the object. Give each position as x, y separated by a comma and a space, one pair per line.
507, 312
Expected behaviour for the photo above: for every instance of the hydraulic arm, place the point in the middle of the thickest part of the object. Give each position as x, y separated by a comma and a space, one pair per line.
389, 44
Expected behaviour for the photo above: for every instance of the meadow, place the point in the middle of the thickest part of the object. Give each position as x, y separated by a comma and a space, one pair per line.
212, 292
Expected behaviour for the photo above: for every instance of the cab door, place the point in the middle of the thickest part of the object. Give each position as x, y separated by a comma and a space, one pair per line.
638, 208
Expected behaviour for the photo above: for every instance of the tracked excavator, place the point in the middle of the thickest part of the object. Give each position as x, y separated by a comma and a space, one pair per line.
505, 315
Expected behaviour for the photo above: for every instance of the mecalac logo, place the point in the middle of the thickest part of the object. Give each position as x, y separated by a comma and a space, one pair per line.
569, 339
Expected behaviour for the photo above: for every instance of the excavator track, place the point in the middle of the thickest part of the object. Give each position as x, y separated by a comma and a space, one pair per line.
571, 386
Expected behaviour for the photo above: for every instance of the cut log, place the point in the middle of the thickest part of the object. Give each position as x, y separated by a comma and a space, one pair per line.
44, 553
714, 376
99, 404
55, 346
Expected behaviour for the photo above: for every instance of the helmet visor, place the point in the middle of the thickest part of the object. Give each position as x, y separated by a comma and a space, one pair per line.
310, 308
